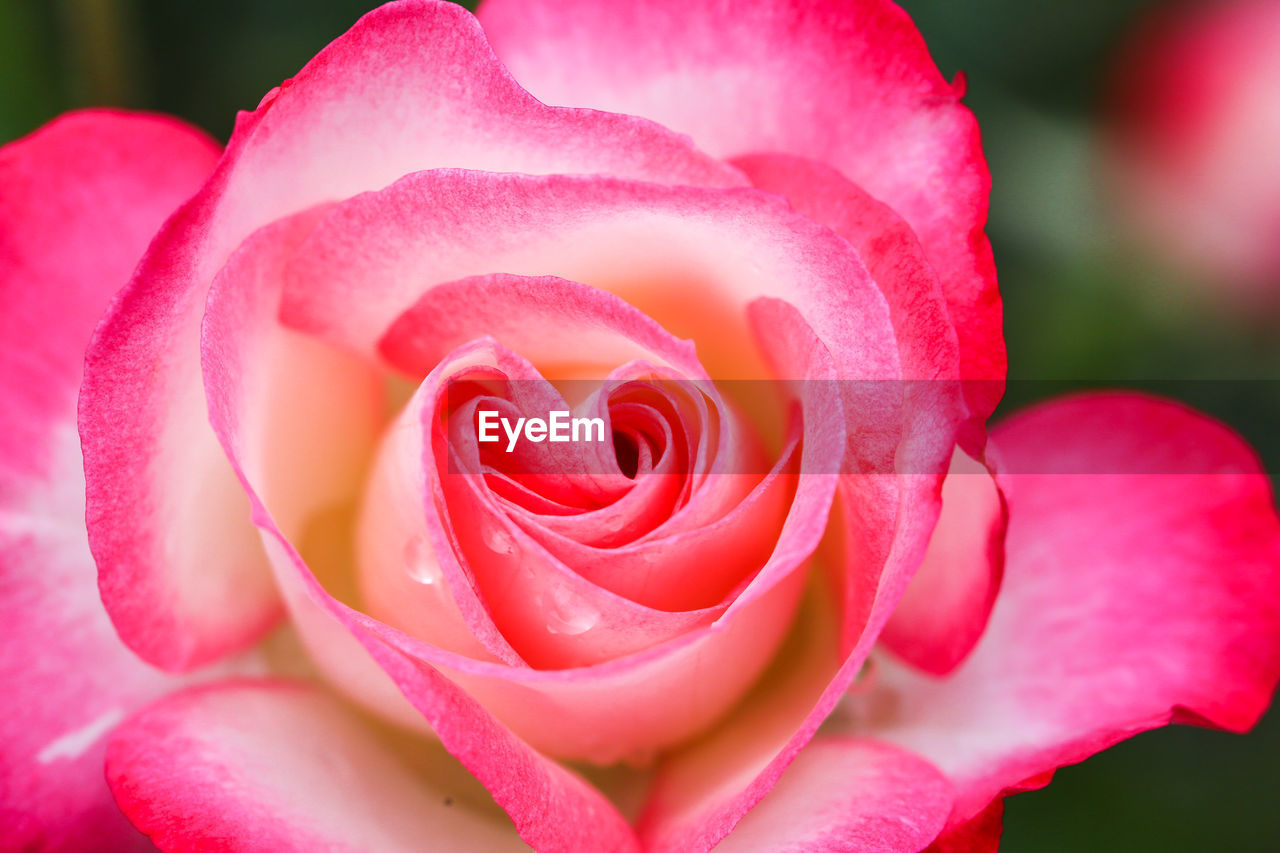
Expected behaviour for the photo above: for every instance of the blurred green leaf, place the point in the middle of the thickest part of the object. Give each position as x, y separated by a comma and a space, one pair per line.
31, 92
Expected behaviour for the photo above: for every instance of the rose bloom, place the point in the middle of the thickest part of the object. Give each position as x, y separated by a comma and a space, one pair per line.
1195, 131
326, 617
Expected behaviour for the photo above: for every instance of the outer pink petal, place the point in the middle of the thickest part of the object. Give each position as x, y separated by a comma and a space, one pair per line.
690, 258
979, 835
82, 196
845, 794
412, 86
947, 606
886, 244
274, 765
1130, 599
68, 682
80, 203
927, 342
945, 609
845, 82
701, 792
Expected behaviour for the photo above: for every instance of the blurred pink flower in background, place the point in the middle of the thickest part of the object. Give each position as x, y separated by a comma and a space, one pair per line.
1196, 153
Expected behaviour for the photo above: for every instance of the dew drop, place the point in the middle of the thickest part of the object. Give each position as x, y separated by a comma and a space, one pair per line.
567, 614
420, 563
498, 539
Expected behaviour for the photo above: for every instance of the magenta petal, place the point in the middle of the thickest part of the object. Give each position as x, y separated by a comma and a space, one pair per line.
78, 208
1130, 600
947, 605
945, 608
886, 244
277, 765
845, 794
81, 198
848, 83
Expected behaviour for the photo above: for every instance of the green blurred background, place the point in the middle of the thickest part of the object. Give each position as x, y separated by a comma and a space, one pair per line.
1083, 306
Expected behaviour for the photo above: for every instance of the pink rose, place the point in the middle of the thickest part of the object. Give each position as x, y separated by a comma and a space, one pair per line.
394, 625
1196, 130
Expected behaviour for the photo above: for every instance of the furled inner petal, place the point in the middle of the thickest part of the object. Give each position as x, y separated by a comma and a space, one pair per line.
546, 609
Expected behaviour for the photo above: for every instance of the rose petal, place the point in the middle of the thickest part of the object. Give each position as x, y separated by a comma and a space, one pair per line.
314, 412
1130, 599
412, 86
78, 209
946, 607
525, 697
82, 196
886, 244
552, 616
562, 327
684, 569
254, 765
850, 84
566, 328
702, 791
692, 259
68, 679
979, 835
847, 794
930, 366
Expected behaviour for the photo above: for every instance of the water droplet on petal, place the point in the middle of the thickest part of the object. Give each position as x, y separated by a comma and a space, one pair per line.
498, 539
420, 563
567, 614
